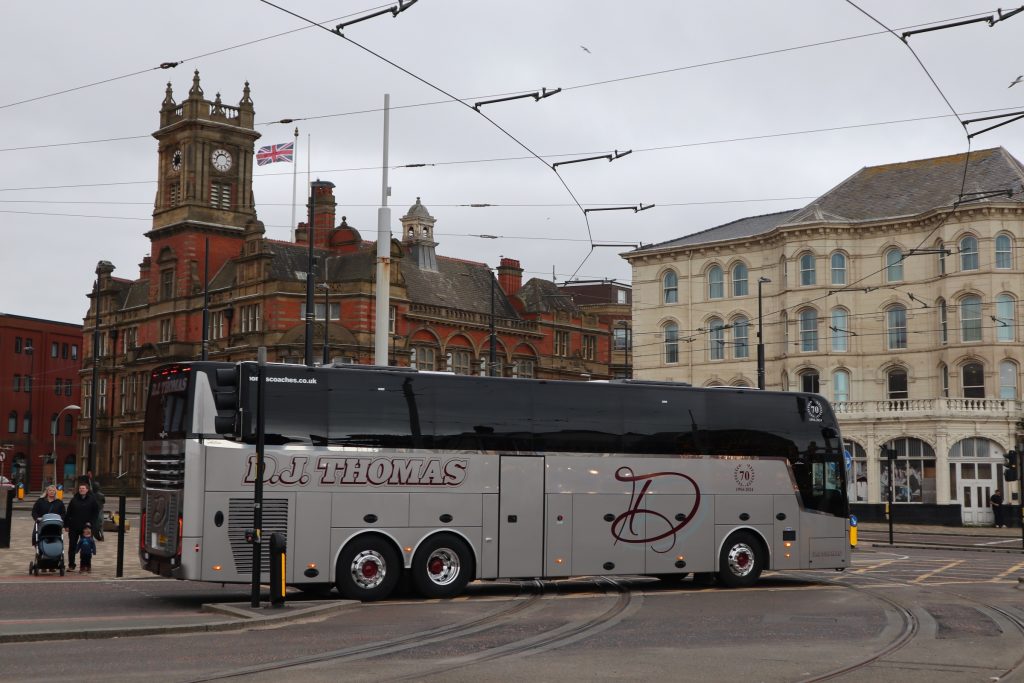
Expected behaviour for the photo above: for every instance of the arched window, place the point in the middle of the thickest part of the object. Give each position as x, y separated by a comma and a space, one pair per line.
808, 330
739, 280
12, 421
1004, 251
1004, 318
423, 358
808, 273
974, 447
53, 424
970, 319
1007, 379
940, 252
944, 379
896, 326
838, 268
943, 321
896, 384
913, 471
973, 375
741, 337
26, 423
894, 265
784, 322
810, 382
840, 330
716, 339
716, 283
785, 381
670, 285
841, 386
671, 332
69, 425
783, 273
969, 253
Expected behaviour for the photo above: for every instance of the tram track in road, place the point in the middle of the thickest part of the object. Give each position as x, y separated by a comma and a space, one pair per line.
537, 590
912, 626
549, 640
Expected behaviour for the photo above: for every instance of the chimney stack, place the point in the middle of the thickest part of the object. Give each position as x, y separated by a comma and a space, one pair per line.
510, 276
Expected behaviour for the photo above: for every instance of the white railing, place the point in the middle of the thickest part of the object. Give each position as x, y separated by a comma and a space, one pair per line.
933, 406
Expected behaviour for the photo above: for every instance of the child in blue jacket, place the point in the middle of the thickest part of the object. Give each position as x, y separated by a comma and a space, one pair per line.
87, 547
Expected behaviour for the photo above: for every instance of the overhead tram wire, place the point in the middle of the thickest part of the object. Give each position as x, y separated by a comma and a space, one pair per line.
167, 65
494, 123
963, 181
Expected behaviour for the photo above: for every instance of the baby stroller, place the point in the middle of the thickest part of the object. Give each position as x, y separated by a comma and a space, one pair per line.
49, 536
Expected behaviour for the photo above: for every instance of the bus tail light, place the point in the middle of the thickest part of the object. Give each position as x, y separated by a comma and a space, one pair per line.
142, 530
180, 537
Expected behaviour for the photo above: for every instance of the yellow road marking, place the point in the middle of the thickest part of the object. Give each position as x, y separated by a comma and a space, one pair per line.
941, 569
1014, 568
877, 565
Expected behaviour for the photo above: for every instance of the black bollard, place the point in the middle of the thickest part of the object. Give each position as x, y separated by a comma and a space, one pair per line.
278, 557
120, 536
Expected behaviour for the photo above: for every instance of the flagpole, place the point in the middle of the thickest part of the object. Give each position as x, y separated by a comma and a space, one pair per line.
295, 175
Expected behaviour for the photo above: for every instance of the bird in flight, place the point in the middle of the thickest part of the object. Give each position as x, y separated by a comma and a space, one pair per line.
584, 48
1019, 79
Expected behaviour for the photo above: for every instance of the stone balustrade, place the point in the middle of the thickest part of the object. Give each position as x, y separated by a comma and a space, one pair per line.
932, 407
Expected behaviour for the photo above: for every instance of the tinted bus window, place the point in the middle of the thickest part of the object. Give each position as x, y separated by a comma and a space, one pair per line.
665, 421
167, 405
377, 409
296, 408
577, 417
469, 413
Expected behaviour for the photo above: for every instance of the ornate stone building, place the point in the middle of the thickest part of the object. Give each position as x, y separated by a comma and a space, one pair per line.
892, 294
441, 307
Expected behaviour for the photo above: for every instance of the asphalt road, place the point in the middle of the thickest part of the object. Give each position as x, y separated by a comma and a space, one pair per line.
907, 614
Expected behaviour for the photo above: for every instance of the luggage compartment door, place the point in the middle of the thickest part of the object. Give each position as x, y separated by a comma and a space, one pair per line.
521, 517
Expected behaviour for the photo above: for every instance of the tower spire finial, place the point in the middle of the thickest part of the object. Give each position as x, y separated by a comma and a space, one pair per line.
196, 91
168, 96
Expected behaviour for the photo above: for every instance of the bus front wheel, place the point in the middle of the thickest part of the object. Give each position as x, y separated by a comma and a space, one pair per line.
368, 569
741, 561
442, 566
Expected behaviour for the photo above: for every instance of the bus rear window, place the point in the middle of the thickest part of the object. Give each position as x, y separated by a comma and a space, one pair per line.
166, 414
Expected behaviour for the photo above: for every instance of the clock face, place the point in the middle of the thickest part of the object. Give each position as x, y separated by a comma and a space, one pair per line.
176, 160
221, 159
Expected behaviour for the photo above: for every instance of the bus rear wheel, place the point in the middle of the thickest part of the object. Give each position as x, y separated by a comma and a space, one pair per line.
368, 569
741, 561
442, 567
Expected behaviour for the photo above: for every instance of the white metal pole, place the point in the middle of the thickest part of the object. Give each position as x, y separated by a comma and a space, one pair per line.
383, 289
295, 176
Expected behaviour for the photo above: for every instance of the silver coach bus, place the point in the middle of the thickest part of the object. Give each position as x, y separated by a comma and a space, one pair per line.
372, 472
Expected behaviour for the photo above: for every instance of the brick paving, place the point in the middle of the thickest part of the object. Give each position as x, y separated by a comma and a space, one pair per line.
14, 561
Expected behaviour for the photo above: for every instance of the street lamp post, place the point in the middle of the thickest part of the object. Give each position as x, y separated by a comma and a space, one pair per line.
56, 428
760, 337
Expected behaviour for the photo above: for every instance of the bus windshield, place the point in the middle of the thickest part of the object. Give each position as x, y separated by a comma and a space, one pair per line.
166, 414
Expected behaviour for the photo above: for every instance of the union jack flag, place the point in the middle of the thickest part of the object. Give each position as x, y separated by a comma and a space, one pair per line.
274, 153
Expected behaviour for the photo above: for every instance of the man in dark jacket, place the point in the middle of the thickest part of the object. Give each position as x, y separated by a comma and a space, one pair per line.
82, 510
47, 505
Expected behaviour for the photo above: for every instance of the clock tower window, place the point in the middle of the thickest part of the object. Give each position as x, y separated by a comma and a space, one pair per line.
220, 195
174, 194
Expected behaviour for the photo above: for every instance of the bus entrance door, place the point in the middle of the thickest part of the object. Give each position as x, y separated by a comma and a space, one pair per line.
521, 517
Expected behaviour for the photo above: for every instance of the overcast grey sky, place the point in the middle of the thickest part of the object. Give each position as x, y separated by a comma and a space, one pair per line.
63, 207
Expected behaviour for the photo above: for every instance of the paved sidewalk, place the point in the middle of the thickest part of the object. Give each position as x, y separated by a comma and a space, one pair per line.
14, 561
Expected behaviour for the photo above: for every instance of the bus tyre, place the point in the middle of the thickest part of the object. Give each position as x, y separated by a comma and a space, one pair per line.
368, 569
741, 561
442, 567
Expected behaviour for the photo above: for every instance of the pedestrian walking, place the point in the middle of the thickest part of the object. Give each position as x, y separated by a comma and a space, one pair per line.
87, 548
82, 510
996, 501
47, 504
